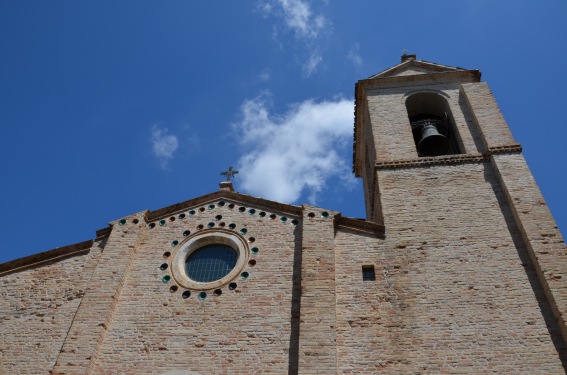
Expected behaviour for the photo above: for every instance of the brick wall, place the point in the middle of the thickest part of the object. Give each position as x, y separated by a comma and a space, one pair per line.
37, 307
317, 337
467, 296
470, 274
390, 126
472, 262
247, 330
365, 336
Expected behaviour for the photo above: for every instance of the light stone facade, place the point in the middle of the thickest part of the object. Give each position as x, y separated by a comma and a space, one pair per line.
469, 267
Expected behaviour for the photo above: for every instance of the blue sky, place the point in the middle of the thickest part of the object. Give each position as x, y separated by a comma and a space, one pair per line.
110, 108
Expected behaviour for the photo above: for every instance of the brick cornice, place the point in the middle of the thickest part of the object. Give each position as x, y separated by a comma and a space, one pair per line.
220, 195
459, 76
507, 149
360, 226
450, 159
104, 232
437, 160
45, 257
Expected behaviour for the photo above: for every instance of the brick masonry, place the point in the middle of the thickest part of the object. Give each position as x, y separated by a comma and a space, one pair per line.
37, 308
472, 251
468, 261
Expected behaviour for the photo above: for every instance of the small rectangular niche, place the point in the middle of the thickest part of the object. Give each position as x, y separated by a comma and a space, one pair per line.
368, 273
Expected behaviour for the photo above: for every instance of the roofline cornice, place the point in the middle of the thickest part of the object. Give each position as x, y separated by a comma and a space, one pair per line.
460, 76
54, 255
46, 257
411, 61
360, 226
228, 195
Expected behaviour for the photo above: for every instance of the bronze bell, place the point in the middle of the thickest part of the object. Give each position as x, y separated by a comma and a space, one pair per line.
432, 142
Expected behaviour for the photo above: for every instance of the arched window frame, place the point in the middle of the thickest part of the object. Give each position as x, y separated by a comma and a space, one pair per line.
423, 105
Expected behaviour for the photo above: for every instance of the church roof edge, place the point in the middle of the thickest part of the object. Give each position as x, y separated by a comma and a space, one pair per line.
226, 194
409, 61
56, 254
60, 253
361, 226
342, 221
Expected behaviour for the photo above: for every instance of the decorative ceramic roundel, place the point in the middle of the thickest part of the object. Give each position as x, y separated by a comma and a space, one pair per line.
209, 259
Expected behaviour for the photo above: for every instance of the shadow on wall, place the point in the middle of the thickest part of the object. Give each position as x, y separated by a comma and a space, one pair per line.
544, 306
295, 304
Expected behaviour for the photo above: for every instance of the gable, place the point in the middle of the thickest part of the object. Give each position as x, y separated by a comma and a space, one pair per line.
411, 66
224, 195
200, 206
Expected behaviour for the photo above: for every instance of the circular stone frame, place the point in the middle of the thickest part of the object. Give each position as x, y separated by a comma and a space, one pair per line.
203, 238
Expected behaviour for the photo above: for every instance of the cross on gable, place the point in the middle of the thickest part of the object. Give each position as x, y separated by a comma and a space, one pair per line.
229, 174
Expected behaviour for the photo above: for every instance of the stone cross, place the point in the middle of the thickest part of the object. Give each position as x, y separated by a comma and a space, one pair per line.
230, 173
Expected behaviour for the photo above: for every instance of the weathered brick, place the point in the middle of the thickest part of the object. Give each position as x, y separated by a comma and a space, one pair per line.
469, 267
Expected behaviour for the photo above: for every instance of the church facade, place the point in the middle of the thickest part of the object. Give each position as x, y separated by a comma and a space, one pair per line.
458, 268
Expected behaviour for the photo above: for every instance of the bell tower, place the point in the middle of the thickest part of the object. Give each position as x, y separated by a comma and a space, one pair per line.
414, 111
466, 225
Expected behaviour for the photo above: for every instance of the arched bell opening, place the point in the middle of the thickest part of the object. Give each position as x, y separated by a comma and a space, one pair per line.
432, 125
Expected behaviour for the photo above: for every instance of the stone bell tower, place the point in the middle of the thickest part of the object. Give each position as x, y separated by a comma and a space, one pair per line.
473, 246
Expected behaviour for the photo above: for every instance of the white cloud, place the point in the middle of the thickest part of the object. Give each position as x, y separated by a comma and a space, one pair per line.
265, 8
296, 152
265, 75
164, 145
297, 15
354, 55
300, 18
306, 25
311, 65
